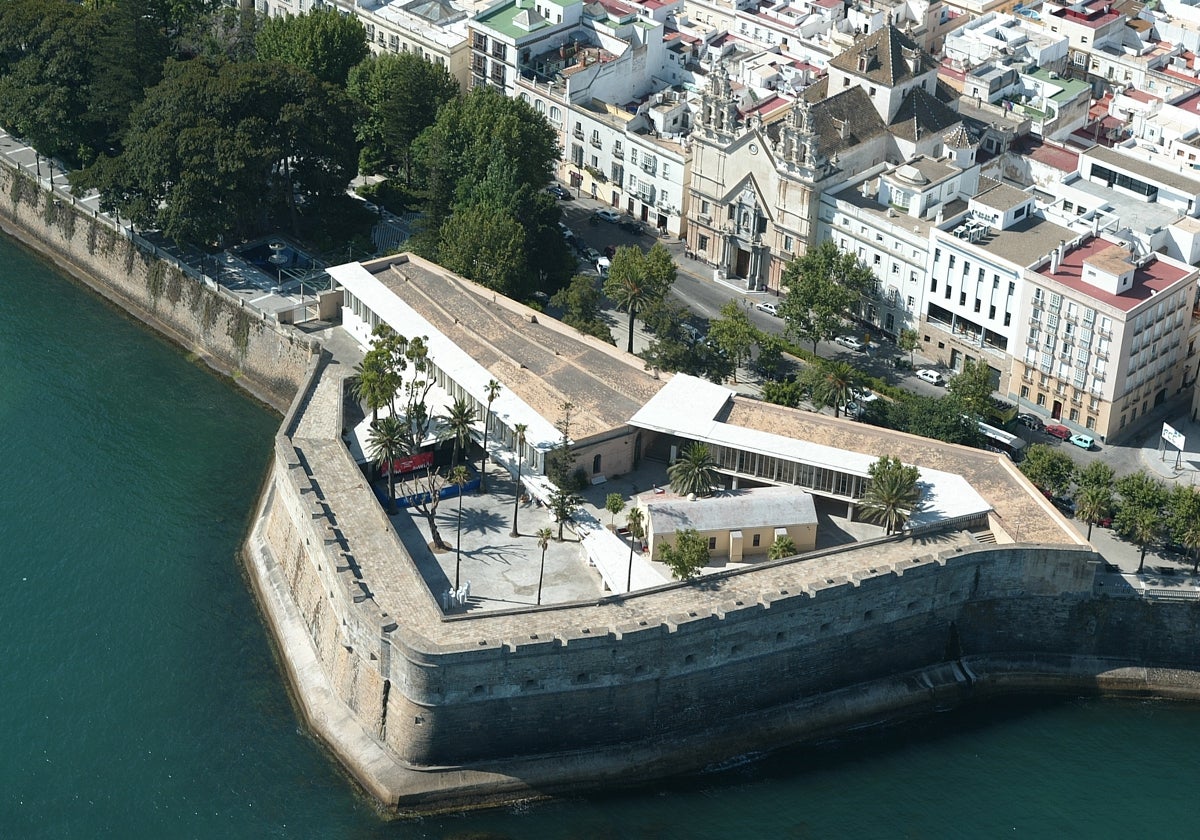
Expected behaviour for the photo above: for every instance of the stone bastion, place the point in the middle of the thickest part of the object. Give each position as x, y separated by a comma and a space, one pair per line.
434, 712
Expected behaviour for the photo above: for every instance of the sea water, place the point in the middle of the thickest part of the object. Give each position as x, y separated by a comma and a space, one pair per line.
139, 696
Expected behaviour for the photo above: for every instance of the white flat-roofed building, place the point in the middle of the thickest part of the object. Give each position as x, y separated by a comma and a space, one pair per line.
975, 278
996, 35
1163, 180
1109, 335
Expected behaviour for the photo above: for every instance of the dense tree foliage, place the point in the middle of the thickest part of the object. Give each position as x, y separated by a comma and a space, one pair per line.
734, 335
687, 556
580, 303
399, 95
1140, 516
225, 150
823, 287
324, 42
940, 418
694, 471
639, 280
973, 387
1050, 471
893, 494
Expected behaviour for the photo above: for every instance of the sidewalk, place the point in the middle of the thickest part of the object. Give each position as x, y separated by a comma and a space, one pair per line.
1168, 463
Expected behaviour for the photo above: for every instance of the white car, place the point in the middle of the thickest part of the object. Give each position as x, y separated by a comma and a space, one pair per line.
930, 376
863, 396
606, 215
602, 266
849, 342
769, 308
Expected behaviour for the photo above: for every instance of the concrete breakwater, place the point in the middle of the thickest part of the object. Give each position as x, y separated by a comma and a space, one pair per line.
266, 359
433, 713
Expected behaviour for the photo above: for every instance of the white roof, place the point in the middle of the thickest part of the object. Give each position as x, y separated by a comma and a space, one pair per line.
471, 376
944, 495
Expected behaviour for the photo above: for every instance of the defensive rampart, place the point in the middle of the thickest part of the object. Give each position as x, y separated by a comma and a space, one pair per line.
470, 709
267, 359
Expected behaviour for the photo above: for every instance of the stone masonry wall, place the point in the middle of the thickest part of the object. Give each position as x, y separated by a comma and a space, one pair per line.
267, 359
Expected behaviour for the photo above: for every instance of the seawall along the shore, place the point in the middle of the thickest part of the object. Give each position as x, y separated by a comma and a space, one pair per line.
266, 359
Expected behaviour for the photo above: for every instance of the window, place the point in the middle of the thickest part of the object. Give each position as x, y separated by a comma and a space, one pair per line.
962, 298
712, 543
1091, 423
952, 260
787, 243
702, 242
1041, 400
1024, 392
933, 284
555, 115
757, 540
937, 254
1074, 415
991, 313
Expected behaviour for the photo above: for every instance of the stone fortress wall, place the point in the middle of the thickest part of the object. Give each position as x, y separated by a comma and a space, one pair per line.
495, 706
267, 359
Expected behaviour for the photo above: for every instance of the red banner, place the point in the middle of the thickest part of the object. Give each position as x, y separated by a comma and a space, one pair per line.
410, 464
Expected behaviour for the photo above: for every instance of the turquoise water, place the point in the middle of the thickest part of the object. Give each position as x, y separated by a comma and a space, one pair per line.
139, 696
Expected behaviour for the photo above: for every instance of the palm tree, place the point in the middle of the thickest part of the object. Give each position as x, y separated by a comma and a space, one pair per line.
492, 390
544, 536
1093, 503
634, 521
459, 421
784, 546
1144, 529
630, 292
386, 443
893, 493
459, 476
694, 471
372, 385
834, 385
520, 429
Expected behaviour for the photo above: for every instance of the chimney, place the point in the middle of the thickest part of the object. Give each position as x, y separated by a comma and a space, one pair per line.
1095, 225
1054, 257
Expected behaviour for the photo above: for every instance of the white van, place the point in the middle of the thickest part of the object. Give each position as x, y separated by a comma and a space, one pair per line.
931, 376
602, 266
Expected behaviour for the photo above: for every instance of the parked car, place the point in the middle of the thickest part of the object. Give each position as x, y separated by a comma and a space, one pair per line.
567, 233
863, 395
606, 215
591, 255
853, 410
931, 376
1083, 441
632, 226
1057, 431
691, 333
1030, 421
769, 308
560, 192
849, 342
602, 266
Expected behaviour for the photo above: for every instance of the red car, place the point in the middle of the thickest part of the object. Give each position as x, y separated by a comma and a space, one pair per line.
1060, 432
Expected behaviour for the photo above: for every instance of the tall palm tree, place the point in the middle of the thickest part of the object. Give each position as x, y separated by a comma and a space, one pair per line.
459, 476
459, 422
1093, 503
1145, 529
784, 546
694, 471
834, 384
893, 493
493, 391
544, 535
387, 442
631, 292
520, 429
635, 522
372, 384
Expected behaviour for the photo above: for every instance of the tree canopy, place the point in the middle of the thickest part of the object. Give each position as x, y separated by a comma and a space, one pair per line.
973, 387
322, 41
694, 471
1050, 470
893, 494
823, 286
734, 334
687, 556
639, 280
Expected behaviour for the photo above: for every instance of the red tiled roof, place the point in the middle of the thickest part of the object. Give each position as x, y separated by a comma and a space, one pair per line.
1061, 159
1148, 280
1140, 96
1192, 103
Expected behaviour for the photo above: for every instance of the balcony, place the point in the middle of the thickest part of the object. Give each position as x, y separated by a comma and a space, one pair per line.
578, 133
596, 143
618, 152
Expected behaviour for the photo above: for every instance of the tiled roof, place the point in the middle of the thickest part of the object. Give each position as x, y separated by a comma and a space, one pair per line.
884, 50
922, 114
959, 138
852, 107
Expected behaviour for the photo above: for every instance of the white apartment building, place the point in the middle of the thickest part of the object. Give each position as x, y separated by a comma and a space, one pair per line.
1108, 335
996, 36
976, 277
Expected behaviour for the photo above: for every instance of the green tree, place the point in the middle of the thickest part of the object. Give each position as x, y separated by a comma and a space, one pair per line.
614, 503
940, 418
519, 429
223, 151
636, 524
580, 302
562, 504
734, 334
830, 384
784, 546
1093, 503
486, 244
694, 471
459, 420
544, 535
386, 443
399, 95
909, 341
1140, 515
627, 286
823, 285
459, 477
1183, 520
893, 493
1050, 471
1096, 474
324, 42
492, 389
372, 384
687, 556
560, 461
973, 387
